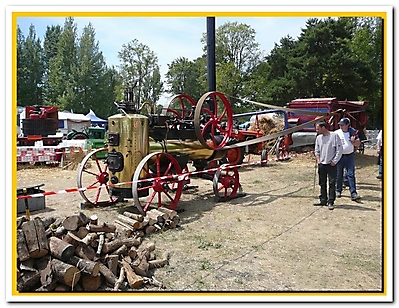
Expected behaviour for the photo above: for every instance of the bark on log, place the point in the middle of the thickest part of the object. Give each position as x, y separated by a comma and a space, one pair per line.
22, 248
29, 281
48, 221
137, 217
91, 283
100, 244
170, 213
108, 275
120, 279
112, 262
102, 228
115, 244
35, 237
133, 279
86, 252
157, 213
130, 221
73, 222
86, 266
89, 238
157, 263
65, 273
60, 249
121, 251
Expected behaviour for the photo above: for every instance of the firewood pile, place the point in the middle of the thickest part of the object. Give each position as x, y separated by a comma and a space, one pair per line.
268, 126
80, 254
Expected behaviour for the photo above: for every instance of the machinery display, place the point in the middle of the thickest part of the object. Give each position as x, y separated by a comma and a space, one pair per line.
148, 153
151, 156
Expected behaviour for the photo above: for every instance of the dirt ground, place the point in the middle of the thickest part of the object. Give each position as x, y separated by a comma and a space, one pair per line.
271, 239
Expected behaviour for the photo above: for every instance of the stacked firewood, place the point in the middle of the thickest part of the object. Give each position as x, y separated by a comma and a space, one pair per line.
78, 253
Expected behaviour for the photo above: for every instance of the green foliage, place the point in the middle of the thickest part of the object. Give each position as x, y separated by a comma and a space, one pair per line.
340, 57
140, 68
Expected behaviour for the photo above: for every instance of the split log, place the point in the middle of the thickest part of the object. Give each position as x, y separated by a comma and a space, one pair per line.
137, 217
85, 252
60, 249
100, 244
120, 279
130, 221
82, 232
134, 280
121, 251
125, 225
112, 262
73, 222
161, 216
35, 237
65, 273
101, 228
86, 266
72, 239
108, 275
28, 281
140, 266
115, 244
22, 248
157, 263
89, 238
46, 272
170, 213
21, 220
91, 283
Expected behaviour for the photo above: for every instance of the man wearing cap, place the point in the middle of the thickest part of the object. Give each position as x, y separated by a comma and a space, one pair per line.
350, 141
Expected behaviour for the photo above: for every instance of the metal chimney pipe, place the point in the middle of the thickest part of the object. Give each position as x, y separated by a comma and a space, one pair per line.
210, 43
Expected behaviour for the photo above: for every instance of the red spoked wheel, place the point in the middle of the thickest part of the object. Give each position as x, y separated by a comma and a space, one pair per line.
156, 182
181, 106
213, 120
93, 178
282, 149
226, 183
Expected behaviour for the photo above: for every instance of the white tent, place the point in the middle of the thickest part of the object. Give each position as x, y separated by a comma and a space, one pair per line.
69, 121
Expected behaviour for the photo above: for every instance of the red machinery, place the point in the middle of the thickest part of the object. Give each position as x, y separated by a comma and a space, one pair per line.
40, 124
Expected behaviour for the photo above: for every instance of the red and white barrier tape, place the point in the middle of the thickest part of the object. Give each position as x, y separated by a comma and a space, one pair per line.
179, 177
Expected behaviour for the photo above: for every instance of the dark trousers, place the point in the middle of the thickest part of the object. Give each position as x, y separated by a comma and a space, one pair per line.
327, 172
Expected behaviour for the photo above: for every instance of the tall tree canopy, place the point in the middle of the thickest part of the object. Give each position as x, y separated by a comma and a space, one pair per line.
140, 67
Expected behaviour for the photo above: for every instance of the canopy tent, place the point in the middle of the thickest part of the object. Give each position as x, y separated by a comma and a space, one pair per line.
95, 120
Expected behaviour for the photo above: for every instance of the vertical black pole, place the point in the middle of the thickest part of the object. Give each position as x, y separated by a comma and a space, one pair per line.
211, 67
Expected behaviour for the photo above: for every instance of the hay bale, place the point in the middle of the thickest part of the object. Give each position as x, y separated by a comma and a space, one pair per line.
268, 126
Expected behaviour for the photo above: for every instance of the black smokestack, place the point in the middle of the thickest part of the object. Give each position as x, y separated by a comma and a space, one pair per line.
210, 31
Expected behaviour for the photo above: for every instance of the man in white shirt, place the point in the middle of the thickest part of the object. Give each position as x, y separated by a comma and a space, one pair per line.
350, 141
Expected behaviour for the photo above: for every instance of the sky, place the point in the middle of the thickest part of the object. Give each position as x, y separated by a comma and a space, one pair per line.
168, 37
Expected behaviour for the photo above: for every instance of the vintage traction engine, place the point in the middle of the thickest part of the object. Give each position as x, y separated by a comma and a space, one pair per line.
151, 156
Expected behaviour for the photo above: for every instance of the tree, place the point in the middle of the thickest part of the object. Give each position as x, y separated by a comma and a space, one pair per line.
184, 77
140, 68
237, 54
30, 68
59, 87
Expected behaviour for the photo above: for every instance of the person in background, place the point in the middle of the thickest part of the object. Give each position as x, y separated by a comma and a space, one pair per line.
350, 141
380, 154
328, 151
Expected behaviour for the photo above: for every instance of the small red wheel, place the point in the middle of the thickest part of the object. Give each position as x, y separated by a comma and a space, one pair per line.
156, 182
226, 183
181, 106
93, 178
213, 120
235, 156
